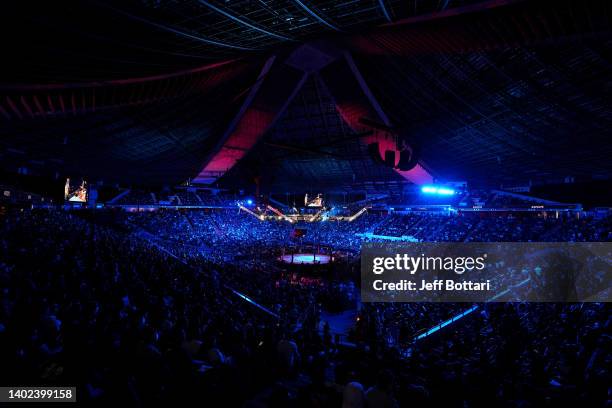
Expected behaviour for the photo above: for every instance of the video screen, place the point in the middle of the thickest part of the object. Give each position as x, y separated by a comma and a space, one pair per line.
75, 191
310, 201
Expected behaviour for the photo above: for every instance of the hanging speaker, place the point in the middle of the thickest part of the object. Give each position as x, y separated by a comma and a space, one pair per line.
375, 153
390, 158
408, 159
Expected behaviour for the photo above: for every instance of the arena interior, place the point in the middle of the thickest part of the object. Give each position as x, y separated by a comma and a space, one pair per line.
186, 188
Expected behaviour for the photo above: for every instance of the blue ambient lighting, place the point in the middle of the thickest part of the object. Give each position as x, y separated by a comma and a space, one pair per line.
437, 190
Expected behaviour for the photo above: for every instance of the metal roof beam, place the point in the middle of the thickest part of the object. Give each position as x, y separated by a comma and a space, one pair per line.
243, 22
381, 3
316, 16
175, 31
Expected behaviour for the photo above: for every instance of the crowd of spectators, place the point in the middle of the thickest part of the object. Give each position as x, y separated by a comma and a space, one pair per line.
495, 227
136, 198
125, 321
181, 198
145, 308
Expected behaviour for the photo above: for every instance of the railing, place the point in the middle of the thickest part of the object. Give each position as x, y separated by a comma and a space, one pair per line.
146, 235
424, 333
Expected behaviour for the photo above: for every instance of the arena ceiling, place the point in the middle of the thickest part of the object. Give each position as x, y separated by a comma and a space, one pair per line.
150, 92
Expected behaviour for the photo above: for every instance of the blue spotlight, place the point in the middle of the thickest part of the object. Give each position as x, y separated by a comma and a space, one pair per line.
437, 190
446, 191
249, 202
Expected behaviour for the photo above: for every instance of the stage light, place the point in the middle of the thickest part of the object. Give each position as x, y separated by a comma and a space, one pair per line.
437, 190
250, 202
